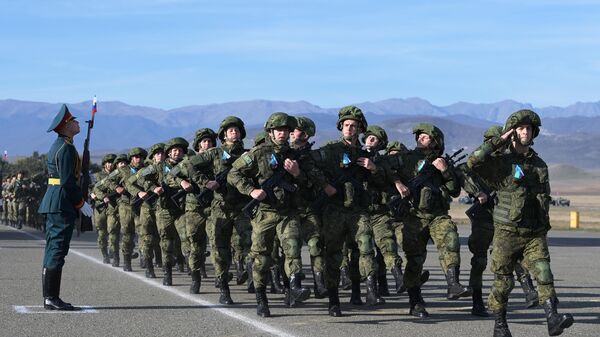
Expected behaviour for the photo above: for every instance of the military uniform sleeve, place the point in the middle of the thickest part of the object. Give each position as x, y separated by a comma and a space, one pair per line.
242, 172
203, 165
131, 184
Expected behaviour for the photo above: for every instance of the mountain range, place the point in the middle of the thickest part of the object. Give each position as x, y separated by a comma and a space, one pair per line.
118, 126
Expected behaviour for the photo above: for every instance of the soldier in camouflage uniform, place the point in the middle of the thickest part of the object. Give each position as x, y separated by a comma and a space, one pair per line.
349, 170
277, 214
20, 192
521, 221
152, 178
5, 201
428, 216
100, 213
225, 214
127, 217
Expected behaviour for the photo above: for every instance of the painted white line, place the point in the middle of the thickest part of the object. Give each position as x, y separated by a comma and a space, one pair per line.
39, 309
217, 307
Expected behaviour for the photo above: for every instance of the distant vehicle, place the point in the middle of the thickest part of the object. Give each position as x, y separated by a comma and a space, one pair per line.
560, 201
467, 200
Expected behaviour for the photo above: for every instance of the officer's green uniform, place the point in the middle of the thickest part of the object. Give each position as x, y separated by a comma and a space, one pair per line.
61, 203
100, 213
521, 220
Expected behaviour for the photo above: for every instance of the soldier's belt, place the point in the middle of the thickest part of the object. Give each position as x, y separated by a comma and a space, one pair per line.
53, 181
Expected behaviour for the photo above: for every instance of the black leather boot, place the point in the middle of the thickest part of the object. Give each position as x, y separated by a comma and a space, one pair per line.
478, 306
105, 258
158, 258
51, 279
225, 297
196, 279
345, 282
241, 275
297, 292
262, 304
399, 278
276, 287
334, 302
249, 281
417, 305
127, 263
373, 297
150, 270
355, 296
168, 278
455, 289
500, 325
531, 295
556, 322
319, 281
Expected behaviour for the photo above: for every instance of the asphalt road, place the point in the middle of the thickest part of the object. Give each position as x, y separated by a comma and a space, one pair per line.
117, 303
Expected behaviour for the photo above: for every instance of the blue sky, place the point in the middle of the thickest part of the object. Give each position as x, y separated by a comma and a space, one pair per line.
172, 53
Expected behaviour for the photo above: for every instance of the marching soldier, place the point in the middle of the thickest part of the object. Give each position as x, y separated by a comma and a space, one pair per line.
100, 213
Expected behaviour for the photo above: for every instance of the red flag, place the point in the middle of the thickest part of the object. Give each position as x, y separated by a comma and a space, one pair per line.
94, 106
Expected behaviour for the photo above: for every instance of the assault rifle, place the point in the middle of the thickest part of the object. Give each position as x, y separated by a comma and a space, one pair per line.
348, 176
205, 196
86, 224
475, 210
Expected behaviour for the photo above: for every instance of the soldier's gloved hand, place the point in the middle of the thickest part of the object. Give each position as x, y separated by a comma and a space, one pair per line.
86, 210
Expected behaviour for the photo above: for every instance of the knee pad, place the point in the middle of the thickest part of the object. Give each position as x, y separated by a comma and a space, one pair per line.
543, 272
452, 243
314, 248
365, 244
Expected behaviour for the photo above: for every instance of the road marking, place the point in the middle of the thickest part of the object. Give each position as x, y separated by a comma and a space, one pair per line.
217, 307
39, 309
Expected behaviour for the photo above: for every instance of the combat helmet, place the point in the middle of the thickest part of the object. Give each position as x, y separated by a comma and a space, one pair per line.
524, 116
231, 121
260, 137
493, 131
121, 158
396, 146
177, 142
109, 158
279, 120
204, 133
432, 131
378, 132
307, 125
158, 147
137, 151
354, 113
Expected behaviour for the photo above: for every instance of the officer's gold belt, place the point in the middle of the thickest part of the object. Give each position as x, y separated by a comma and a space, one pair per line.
53, 181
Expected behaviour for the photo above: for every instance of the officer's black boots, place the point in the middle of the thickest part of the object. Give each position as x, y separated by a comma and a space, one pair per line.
51, 290
455, 289
297, 292
319, 281
127, 263
399, 278
168, 277
417, 305
334, 302
196, 279
105, 258
531, 295
225, 297
250, 280
373, 297
276, 287
241, 275
500, 325
262, 304
355, 296
150, 270
556, 322
345, 282
478, 306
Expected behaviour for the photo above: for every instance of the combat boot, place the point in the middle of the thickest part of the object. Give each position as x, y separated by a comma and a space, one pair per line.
150, 270
297, 292
51, 279
116, 259
345, 282
417, 305
158, 258
455, 289
531, 295
276, 287
127, 263
478, 306
105, 258
373, 297
319, 282
196, 279
556, 322
334, 302
355, 296
168, 277
500, 325
249, 280
225, 297
382, 283
241, 275
262, 304
399, 278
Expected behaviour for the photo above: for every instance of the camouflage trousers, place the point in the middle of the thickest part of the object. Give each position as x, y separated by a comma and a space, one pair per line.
352, 226
310, 229
195, 224
101, 223
417, 232
148, 236
21, 208
509, 245
170, 242
267, 224
222, 222
397, 227
180, 226
113, 225
384, 238
127, 221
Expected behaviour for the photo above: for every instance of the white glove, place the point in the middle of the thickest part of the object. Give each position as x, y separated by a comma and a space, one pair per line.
86, 210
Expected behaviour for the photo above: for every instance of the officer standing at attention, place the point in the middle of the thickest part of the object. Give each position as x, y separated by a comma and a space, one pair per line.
61, 204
